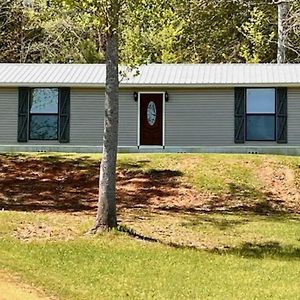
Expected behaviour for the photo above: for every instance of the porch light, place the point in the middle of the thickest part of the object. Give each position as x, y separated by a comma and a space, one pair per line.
166, 97
135, 96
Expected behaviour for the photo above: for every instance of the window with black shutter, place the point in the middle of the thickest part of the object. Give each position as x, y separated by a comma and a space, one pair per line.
261, 114
44, 114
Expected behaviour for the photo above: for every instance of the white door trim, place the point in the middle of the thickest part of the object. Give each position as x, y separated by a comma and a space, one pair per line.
163, 118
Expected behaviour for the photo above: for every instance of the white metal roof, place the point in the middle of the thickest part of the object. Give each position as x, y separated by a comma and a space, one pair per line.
153, 75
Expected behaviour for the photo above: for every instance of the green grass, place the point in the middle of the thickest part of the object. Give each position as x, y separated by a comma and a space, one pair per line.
212, 173
237, 254
237, 175
257, 258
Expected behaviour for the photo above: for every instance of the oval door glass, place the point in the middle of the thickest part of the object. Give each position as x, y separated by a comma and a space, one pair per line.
151, 113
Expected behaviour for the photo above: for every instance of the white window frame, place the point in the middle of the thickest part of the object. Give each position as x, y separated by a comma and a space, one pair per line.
260, 114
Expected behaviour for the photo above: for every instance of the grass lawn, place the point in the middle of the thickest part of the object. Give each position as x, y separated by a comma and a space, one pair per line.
222, 227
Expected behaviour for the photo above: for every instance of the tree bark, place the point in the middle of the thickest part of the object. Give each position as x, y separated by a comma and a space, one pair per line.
106, 215
282, 31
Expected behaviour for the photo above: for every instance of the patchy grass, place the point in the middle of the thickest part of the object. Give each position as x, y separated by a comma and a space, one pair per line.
220, 175
218, 232
116, 266
222, 226
207, 172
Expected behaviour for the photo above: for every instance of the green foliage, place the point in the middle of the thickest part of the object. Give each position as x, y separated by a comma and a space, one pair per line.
259, 41
69, 35
153, 31
16, 33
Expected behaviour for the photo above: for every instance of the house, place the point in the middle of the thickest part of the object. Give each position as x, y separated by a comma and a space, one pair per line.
163, 108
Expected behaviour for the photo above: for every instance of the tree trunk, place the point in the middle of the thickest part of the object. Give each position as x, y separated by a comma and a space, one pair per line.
106, 215
282, 31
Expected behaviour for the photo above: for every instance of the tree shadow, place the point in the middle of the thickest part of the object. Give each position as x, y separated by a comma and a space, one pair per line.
244, 191
269, 250
147, 188
220, 223
245, 198
49, 183
127, 165
57, 183
54, 183
272, 249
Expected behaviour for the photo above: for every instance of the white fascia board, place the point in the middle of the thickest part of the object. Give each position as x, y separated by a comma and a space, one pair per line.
229, 85
52, 84
156, 86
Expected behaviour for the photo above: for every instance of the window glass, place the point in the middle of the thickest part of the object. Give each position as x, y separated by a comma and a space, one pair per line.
260, 101
43, 127
44, 101
260, 128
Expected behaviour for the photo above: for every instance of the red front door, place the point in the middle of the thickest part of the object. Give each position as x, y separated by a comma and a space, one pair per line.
151, 119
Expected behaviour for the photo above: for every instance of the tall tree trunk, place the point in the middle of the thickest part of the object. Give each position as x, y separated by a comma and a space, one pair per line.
283, 7
106, 214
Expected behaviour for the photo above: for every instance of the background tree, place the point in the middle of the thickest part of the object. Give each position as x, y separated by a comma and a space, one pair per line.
291, 29
257, 45
152, 31
15, 34
283, 10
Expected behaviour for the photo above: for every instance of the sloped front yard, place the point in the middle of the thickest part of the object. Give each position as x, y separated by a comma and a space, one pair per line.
191, 226
207, 183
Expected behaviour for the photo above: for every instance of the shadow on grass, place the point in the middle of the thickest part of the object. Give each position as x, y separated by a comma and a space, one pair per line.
219, 223
70, 184
135, 165
144, 187
47, 183
244, 191
264, 207
54, 183
271, 249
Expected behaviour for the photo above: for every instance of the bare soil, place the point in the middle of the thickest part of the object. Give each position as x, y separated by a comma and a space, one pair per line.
71, 186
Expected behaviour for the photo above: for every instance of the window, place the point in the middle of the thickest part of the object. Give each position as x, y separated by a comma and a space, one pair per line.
43, 124
260, 115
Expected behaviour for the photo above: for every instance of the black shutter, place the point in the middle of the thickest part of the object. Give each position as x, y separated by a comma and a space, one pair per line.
281, 115
239, 115
23, 112
64, 115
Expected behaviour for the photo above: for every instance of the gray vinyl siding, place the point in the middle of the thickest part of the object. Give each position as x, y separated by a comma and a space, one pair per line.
8, 115
87, 118
294, 116
128, 119
200, 117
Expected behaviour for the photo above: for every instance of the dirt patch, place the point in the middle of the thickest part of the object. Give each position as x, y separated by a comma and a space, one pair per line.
34, 231
12, 289
71, 186
279, 186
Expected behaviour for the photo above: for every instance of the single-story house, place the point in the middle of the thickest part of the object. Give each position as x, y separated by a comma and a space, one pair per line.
250, 108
